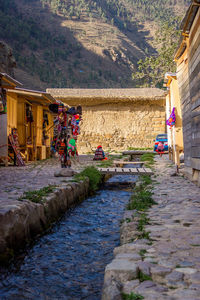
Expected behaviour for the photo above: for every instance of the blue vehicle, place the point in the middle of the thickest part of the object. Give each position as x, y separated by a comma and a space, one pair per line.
161, 138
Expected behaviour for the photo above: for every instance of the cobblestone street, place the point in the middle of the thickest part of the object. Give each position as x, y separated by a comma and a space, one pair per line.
175, 230
169, 261
16, 180
172, 260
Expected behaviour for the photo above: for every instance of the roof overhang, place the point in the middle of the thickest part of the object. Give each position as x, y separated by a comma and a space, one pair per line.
39, 97
185, 28
189, 17
7, 82
88, 97
169, 76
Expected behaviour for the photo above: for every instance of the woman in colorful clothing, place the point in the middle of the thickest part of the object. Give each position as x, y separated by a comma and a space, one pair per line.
160, 148
99, 154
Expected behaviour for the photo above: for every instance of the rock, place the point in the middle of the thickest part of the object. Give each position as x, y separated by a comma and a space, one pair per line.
195, 277
158, 273
111, 290
174, 276
186, 270
186, 294
129, 256
7, 60
121, 270
131, 247
128, 232
144, 267
129, 286
65, 173
146, 285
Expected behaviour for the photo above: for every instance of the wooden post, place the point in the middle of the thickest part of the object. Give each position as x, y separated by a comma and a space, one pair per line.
177, 158
170, 153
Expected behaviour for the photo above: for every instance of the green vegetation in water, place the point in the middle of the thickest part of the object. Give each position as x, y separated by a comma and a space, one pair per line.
37, 196
132, 296
94, 176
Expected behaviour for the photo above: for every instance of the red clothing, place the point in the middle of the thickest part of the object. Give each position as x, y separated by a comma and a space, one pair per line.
99, 154
160, 146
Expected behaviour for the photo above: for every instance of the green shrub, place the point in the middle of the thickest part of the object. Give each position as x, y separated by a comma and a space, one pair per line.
94, 176
141, 200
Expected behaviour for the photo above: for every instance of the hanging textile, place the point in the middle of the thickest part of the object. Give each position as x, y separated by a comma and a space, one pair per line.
172, 119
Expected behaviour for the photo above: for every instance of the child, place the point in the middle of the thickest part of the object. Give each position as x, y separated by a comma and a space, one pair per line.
99, 154
160, 148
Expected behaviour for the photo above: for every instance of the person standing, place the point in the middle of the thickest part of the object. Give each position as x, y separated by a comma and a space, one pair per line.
160, 148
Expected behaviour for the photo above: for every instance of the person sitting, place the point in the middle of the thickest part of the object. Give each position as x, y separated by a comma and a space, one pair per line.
99, 154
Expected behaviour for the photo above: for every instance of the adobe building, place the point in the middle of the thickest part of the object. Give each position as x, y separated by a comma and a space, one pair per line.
187, 58
175, 133
117, 119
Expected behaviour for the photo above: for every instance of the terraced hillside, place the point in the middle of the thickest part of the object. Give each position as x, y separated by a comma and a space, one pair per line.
84, 43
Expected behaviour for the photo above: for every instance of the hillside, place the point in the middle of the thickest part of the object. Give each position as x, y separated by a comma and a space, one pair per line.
84, 43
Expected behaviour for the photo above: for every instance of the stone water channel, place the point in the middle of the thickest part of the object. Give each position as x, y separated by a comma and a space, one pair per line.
69, 261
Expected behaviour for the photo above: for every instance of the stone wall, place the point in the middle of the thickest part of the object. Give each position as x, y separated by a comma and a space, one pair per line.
118, 126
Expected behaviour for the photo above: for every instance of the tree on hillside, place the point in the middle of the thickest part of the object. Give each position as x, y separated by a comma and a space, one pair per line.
151, 70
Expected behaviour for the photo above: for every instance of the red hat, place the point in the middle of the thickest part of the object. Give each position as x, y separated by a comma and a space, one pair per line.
99, 147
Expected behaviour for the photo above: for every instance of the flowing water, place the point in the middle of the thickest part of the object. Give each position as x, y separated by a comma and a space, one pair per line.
69, 261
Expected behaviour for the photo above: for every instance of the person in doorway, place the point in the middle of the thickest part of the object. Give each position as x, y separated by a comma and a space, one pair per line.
160, 148
99, 154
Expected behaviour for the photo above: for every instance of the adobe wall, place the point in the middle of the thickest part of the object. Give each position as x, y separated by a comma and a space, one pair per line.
118, 126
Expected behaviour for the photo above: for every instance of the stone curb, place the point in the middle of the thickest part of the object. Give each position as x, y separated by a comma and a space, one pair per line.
121, 275
22, 221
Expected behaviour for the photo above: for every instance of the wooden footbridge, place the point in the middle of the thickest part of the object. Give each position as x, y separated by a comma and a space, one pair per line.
126, 171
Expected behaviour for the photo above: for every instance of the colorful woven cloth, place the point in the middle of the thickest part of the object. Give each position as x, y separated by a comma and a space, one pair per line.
172, 119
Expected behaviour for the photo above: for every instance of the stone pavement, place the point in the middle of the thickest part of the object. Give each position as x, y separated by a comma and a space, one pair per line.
172, 256
34, 176
175, 230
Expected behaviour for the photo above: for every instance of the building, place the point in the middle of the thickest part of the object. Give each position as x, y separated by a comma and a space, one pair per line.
6, 82
175, 133
187, 58
26, 112
117, 119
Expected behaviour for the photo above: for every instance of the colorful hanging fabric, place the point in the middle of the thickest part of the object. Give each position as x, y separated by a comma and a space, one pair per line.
172, 119
75, 125
72, 148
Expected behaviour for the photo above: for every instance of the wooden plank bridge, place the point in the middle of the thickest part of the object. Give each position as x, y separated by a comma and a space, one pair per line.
123, 162
126, 171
